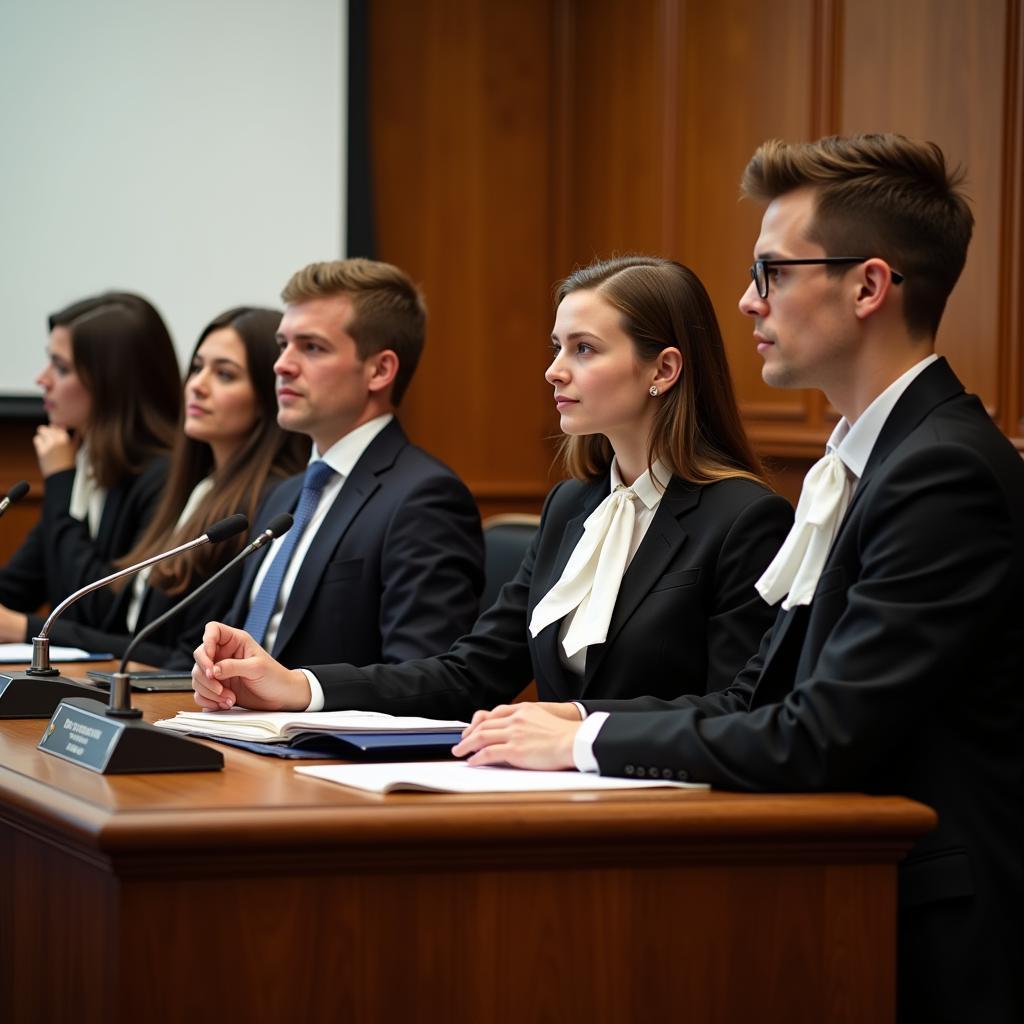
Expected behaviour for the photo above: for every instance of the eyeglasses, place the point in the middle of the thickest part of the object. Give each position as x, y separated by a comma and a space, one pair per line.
759, 271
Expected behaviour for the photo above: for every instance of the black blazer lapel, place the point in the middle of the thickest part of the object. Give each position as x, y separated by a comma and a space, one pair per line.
360, 484
934, 385
664, 537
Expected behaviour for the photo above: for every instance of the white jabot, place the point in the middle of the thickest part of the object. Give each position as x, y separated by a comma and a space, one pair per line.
854, 443
589, 584
794, 571
87, 497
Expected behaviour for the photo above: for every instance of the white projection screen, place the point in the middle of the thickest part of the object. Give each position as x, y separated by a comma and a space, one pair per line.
191, 151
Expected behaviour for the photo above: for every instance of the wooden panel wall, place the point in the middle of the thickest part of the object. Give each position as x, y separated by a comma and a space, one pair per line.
514, 139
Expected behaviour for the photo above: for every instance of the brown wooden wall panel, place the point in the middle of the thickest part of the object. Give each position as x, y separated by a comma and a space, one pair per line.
636, 121
461, 114
733, 99
937, 71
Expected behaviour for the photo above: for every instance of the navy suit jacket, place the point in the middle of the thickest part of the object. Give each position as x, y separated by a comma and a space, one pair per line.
395, 570
905, 675
687, 614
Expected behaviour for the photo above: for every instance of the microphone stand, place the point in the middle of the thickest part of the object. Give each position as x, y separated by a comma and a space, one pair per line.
113, 738
41, 688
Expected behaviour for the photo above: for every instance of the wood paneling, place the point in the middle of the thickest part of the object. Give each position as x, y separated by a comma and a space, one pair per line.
276, 897
462, 133
604, 126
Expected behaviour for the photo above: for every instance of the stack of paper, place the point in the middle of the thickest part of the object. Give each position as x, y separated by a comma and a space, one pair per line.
281, 726
459, 777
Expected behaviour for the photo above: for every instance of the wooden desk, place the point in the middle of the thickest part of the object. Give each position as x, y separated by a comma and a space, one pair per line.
255, 895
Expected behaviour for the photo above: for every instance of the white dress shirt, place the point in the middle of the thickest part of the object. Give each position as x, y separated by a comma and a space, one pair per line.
141, 580
87, 497
341, 457
853, 444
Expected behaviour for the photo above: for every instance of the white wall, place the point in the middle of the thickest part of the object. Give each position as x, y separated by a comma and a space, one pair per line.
191, 150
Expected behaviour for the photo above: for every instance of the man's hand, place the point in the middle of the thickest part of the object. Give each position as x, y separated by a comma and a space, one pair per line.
522, 735
232, 669
55, 449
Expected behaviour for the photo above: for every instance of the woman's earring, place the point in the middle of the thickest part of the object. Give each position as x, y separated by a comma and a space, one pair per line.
654, 391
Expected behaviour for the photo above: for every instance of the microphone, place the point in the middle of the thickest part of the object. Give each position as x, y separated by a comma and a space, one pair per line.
120, 690
41, 689
16, 493
114, 739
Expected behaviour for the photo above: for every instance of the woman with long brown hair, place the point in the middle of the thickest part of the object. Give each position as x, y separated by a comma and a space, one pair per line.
228, 454
640, 579
110, 393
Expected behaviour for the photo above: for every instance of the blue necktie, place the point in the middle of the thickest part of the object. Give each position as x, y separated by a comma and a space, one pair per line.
262, 607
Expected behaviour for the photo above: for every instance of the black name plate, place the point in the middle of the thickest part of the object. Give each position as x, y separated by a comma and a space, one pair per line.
82, 736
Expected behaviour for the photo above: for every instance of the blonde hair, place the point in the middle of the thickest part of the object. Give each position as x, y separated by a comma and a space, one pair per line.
389, 312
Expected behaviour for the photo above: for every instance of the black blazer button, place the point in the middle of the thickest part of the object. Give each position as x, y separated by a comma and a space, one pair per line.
666, 773
653, 773
629, 769
682, 776
640, 773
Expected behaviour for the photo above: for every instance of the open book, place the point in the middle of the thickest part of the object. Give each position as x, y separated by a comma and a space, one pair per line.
459, 777
282, 726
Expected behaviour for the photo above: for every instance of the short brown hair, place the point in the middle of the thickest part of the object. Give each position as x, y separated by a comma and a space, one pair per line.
697, 431
389, 309
878, 195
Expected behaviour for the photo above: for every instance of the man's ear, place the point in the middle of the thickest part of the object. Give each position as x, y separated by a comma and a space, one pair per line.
874, 282
381, 369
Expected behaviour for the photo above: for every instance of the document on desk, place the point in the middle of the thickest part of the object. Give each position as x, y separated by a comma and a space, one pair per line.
15, 654
445, 777
281, 726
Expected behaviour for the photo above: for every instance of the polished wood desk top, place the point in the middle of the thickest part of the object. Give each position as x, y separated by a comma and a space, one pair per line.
262, 803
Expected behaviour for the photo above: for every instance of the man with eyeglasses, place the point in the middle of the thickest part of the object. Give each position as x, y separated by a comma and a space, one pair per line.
896, 663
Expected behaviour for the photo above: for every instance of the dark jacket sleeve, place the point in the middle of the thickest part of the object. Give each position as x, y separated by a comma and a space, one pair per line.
922, 606
489, 666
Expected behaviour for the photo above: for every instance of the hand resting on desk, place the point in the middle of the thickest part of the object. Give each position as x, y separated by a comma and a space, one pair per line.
537, 736
232, 669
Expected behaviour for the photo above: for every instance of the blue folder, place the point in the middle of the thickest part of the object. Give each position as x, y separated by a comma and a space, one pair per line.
357, 746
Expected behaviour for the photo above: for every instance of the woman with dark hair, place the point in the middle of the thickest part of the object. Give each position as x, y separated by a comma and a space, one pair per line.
640, 579
228, 455
112, 400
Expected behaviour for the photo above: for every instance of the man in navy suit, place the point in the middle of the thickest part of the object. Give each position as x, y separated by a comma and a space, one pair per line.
896, 662
384, 562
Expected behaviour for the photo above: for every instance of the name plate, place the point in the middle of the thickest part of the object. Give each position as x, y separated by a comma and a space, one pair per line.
82, 736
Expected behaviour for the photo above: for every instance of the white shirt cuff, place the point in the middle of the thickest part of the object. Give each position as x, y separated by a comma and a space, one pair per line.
583, 744
316, 691
581, 709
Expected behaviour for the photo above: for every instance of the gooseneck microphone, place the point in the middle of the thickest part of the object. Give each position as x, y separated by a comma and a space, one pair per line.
36, 693
120, 690
114, 739
16, 493
220, 531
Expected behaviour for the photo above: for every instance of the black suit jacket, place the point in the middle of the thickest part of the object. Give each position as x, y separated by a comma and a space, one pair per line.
905, 675
686, 614
172, 645
395, 570
58, 556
